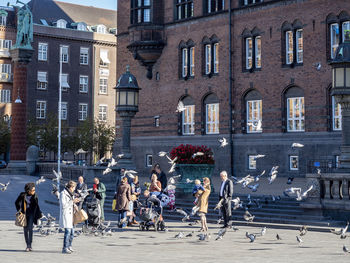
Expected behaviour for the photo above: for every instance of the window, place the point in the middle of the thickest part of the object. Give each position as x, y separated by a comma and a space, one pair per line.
254, 116
5, 68
83, 84
64, 110
294, 163
336, 113
102, 112
299, 45
345, 27
64, 81
184, 9
334, 28
192, 61
140, 11
216, 57
207, 59
40, 109
101, 29
258, 52
42, 51
157, 121
188, 120
81, 26
214, 5
103, 86
83, 110
184, 62
84, 56
249, 52
5, 96
61, 23
149, 160
42, 80
289, 47
187, 60
212, 118
5, 44
64, 53
251, 162
250, 2
337, 161
295, 114
3, 19
104, 58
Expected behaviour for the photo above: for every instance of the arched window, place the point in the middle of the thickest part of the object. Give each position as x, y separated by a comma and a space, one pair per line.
253, 106
210, 55
295, 109
187, 116
292, 43
61, 23
81, 26
211, 109
101, 29
187, 59
251, 50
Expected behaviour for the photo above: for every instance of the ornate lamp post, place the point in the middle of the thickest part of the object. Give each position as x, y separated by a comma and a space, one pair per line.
127, 102
341, 92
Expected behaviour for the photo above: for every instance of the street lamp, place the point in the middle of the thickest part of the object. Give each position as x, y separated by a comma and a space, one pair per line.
341, 92
127, 103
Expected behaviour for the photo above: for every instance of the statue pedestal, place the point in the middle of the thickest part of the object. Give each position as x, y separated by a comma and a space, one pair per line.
20, 58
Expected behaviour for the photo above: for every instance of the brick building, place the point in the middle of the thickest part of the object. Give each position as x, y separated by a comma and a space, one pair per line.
280, 82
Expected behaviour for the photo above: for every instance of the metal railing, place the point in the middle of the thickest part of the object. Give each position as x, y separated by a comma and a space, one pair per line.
68, 172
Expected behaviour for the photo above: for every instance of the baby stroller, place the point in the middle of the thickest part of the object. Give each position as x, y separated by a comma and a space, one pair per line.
93, 210
151, 216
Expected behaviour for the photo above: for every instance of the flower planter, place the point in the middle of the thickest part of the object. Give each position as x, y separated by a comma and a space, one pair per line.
192, 172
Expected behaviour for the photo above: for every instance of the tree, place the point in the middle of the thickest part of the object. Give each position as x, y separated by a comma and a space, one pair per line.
104, 138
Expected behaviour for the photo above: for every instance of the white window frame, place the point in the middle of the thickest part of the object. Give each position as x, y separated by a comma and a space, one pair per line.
5, 68
216, 57
61, 23
42, 83
336, 115
83, 83
212, 118
289, 47
184, 62
5, 96
334, 38
84, 56
5, 44
192, 59
149, 160
258, 52
102, 112
291, 158
298, 106
248, 53
102, 29
104, 60
345, 26
65, 53
64, 110
3, 20
207, 59
254, 115
103, 87
188, 120
299, 36
81, 26
41, 109
83, 111
251, 162
43, 51
65, 81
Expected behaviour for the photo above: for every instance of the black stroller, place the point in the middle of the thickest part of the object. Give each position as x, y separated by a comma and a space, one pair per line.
151, 215
93, 210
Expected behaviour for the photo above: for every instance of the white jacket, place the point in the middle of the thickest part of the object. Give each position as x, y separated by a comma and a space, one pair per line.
66, 210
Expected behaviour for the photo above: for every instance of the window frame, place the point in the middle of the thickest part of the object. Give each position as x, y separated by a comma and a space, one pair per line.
252, 166
81, 111
61, 77
192, 59
251, 119
289, 47
215, 115
3, 20
184, 9
258, 52
291, 162
248, 55
5, 96
64, 111
189, 124
5, 44
299, 34
64, 56
83, 87
137, 12
209, 9
334, 45
208, 58
42, 53
184, 64
103, 85
336, 116
41, 109
216, 58
61, 23
149, 160
42, 83
84, 57
103, 115
301, 118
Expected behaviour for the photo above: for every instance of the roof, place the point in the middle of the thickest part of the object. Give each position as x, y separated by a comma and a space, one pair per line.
52, 11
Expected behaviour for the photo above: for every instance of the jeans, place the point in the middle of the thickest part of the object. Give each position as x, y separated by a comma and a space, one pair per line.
121, 216
68, 237
28, 230
102, 203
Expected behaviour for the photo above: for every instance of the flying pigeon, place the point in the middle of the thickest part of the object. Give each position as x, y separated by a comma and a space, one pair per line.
162, 154
297, 145
273, 174
180, 107
197, 154
248, 216
304, 195
112, 163
188, 181
41, 180
303, 231
223, 142
254, 188
4, 186
257, 178
219, 204
290, 180
340, 231
107, 170
184, 213
58, 176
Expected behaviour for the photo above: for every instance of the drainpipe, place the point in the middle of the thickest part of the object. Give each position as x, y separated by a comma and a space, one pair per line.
230, 86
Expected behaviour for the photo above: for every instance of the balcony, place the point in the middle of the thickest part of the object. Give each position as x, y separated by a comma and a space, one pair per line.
5, 53
6, 77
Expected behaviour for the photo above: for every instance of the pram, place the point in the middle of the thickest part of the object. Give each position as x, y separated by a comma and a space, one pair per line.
151, 216
93, 210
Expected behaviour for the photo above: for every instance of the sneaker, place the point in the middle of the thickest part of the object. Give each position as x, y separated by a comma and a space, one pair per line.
27, 249
71, 249
66, 251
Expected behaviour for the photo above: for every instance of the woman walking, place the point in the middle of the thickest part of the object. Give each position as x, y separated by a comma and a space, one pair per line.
67, 202
27, 202
123, 200
203, 197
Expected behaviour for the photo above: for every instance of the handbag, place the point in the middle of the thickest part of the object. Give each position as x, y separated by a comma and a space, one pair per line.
79, 216
21, 219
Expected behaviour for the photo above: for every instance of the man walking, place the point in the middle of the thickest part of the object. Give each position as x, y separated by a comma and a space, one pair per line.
100, 190
226, 191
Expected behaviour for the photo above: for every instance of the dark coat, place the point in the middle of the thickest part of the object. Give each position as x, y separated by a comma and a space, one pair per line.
123, 197
227, 196
34, 208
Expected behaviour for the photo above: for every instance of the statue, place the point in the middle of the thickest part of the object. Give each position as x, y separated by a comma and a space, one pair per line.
24, 27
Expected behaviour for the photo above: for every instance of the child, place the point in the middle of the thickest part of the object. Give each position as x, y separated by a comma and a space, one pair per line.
196, 188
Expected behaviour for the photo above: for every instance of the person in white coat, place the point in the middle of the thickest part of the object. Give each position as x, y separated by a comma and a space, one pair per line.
67, 201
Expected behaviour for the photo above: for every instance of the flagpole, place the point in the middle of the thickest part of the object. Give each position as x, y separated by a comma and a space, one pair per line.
59, 122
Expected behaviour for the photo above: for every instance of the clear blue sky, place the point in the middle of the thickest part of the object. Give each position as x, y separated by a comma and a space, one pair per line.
108, 4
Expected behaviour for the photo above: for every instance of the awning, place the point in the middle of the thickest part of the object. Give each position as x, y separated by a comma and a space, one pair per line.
42, 76
64, 81
104, 56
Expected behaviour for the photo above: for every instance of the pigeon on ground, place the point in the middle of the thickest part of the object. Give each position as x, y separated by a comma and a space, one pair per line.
340, 231
189, 235
248, 216
223, 142
263, 231
40, 180
196, 222
278, 237
252, 237
221, 233
345, 249
179, 235
297, 145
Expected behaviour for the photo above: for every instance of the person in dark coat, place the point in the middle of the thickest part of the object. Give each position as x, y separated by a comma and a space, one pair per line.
225, 195
160, 175
100, 192
123, 200
81, 191
27, 202
119, 179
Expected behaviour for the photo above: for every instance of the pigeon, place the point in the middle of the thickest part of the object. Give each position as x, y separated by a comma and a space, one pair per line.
120, 155
189, 235
201, 237
256, 201
107, 171
112, 163
223, 142
249, 200
194, 210
180, 107
221, 233
246, 180
263, 231
179, 235
303, 231
318, 171
184, 213
290, 180
219, 221
292, 190
278, 237
273, 174
259, 156
297, 145
99, 162
248, 216
303, 195
58, 176
172, 168
257, 178
236, 202
219, 204
41, 180
162, 154
172, 180
188, 181
130, 173
197, 154
171, 161
4, 186
254, 187
340, 231
345, 249
343, 236
55, 191
299, 240
252, 237
259, 126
